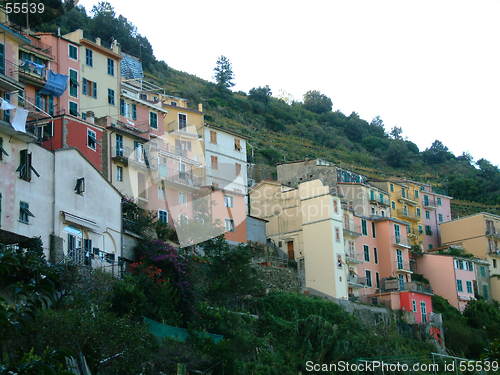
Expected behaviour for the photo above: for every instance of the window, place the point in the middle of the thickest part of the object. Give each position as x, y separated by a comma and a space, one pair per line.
368, 275
2, 58
430, 246
482, 271
80, 186
397, 233
214, 162
228, 201
373, 230
403, 192
2, 150
182, 121
440, 218
470, 266
91, 139
229, 225
237, 167
364, 230
366, 251
459, 286
213, 137
401, 282
393, 205
89, 57
423, 310
111, 96
468, 283
392, 188
486, 293
25, 166
439, 201
182, 197
426, 200
373, 210
237, 144
173, 104
382, 213
134, 112
418, 211
161, 191
24, 212
375, 255
73, 51
111, 67
337, 234
420, 229
428, 230
153, 120
6, 113
413, 305
73, 83
336, 206
494, 263
119, 145
416, 194
377, 280
122, 108
119, 173
89, 88
399, 258
427, 214
163, 216
73, 108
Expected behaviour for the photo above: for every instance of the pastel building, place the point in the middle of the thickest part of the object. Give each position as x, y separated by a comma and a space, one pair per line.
479, 235
60, 197
458, 279
436, 210
226, 173
306, 224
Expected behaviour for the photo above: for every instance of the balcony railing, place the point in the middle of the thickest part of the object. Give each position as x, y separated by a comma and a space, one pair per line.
29, 69
352, 229
357, 282
406, 199
429, 204
408, 215
400, 241
353, 257
392, 285
376, 200
492, 232
183, 128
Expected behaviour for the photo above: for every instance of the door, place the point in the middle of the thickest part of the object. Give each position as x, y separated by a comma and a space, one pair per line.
291, 253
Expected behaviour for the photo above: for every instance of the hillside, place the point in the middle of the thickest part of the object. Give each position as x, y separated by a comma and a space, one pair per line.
281, 131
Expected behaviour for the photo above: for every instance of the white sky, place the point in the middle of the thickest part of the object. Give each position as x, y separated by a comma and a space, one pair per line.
431, 67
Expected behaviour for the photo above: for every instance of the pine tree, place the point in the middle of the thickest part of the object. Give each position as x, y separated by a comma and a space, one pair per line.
223, 73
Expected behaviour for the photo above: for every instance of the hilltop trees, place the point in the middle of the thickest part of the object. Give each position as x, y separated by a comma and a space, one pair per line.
223, 73
317, 102
261, 94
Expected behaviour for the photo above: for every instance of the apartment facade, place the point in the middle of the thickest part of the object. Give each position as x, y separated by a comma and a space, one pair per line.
479, 235
226, 173
60, 197
306, 223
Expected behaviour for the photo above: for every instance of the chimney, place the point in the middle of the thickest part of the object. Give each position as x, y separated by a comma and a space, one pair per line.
200, 107
59, 32
98, 41
90, 117
115, 46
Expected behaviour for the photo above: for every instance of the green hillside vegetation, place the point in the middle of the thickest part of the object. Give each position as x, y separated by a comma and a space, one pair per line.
280, 131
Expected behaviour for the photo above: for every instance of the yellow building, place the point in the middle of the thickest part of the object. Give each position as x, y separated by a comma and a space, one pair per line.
99, 84
479, 235
306, 223
406, 205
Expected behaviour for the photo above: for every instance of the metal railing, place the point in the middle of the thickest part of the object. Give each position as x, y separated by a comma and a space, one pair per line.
408, 214
400, 240
353, 257
375, 199
356, 280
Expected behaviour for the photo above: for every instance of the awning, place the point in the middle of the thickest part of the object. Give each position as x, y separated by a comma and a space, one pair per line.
56, 84
82, 222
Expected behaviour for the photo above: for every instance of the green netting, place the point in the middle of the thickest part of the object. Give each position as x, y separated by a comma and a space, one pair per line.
161, 330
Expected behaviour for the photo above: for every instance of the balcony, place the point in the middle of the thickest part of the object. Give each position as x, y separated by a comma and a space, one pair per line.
183, 129
356, 282
429, 204
352, 257
384, 201
492, 232
142, 158
408, 215
32, 73
405, 199
399, 241
404, 268
9, 77
392, 285
351, 229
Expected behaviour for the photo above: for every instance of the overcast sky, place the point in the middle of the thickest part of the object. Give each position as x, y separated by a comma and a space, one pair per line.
431, 67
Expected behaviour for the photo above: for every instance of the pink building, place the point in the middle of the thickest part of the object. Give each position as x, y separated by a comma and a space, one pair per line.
451, 277
436, 210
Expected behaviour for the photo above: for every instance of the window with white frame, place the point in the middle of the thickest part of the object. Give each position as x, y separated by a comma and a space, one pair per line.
119, 173
73, 52
228, 201
414, 306
153, 120
91, 139
423, 310
229, 225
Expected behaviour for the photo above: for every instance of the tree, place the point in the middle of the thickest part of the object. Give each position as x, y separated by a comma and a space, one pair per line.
52, 9
223, 73
316, 102
261, 94
437, 153
396, 132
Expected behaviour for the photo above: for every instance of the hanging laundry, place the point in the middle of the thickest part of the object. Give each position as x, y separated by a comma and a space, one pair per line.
56, 84
19, 120
6, 106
